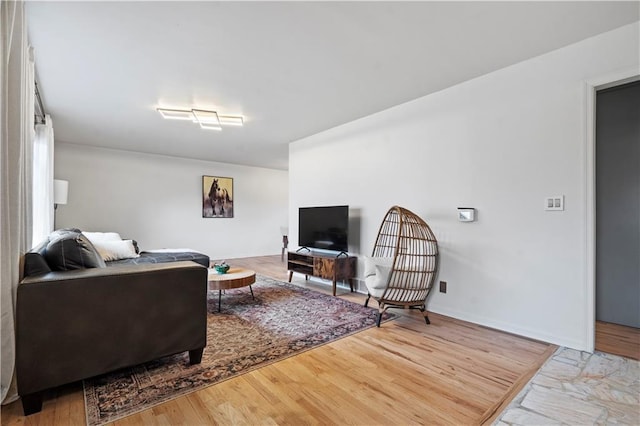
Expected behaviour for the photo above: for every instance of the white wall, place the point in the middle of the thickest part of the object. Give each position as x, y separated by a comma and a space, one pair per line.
500, 143
157, 201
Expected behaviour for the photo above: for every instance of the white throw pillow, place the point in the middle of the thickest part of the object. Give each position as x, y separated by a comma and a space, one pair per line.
116, 250
382, 275
370, 264
376, 274
102, 236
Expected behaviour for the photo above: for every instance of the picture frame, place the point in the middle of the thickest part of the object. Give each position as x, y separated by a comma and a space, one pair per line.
217, 197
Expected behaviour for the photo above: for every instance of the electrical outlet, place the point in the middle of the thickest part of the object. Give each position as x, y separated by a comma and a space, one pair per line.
443, 286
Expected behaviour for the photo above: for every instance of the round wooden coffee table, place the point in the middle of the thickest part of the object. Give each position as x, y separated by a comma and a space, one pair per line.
234, 278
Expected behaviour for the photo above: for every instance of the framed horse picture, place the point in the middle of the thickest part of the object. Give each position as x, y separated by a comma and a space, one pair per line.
217, 196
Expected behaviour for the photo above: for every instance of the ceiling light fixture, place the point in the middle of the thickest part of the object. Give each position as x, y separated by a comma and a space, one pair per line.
207, 119
176, 114
231, 120
210, 126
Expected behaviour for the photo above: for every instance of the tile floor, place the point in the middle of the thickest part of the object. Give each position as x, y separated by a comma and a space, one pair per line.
579, 388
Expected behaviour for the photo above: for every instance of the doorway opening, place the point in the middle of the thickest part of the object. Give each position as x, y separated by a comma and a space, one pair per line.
617, 219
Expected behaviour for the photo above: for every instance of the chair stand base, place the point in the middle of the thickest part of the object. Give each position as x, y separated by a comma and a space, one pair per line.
424, 313
384, 306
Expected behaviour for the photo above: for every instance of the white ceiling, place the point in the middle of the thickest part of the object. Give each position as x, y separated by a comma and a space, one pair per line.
292, 69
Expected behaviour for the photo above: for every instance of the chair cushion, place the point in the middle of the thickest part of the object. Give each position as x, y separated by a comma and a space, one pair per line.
371, 262
376, 274
372, 282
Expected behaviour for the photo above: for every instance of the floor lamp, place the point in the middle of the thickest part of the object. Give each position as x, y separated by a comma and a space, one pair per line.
60, 193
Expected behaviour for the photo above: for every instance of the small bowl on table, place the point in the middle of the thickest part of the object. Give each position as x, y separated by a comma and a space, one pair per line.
222, 268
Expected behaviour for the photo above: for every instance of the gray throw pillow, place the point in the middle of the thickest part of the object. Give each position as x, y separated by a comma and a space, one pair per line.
70, 249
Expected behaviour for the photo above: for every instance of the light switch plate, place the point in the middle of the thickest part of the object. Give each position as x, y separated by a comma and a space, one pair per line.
555, 203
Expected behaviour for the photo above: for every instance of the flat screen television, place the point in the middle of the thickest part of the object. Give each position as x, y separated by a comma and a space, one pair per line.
324, 228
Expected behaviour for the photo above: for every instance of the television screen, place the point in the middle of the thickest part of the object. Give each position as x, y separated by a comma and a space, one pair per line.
323, 227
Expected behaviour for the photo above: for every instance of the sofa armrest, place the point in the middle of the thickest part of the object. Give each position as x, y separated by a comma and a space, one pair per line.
72, 325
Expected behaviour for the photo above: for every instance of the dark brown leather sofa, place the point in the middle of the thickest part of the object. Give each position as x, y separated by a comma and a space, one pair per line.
75, 324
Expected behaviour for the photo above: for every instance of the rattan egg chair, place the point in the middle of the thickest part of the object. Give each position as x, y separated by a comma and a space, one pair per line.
404, 263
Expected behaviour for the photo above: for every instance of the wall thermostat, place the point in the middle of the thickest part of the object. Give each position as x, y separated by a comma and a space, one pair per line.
466, 214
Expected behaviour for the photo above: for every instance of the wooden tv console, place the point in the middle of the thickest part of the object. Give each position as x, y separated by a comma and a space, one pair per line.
321, 265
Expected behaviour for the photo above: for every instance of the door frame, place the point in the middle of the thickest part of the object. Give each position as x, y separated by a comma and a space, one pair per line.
617, 78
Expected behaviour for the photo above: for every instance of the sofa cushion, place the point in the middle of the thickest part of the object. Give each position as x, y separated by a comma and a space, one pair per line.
58, 232
164, 257
34, 262
71, 250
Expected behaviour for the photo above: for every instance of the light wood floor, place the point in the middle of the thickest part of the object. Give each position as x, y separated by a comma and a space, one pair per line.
618, 339
406, 372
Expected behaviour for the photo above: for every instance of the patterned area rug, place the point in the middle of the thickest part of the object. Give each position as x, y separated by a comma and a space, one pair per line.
282, 321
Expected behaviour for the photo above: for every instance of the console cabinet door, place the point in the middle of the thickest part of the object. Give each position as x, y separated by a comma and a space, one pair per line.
324, 268
345, 268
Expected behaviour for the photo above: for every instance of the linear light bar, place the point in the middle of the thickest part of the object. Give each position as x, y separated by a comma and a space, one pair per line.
210, 126
231, 120
176, 114
207, 119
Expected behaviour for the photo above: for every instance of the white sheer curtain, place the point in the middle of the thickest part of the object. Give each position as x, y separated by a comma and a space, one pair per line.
43, 181
16, 138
